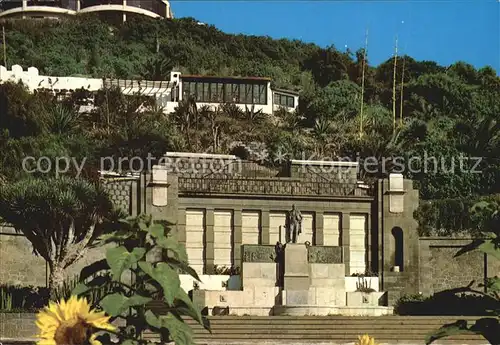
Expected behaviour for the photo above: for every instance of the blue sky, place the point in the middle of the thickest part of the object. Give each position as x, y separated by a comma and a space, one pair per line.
445, 31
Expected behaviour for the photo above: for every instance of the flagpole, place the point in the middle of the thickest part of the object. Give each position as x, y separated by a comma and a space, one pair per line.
394, 87
363, 85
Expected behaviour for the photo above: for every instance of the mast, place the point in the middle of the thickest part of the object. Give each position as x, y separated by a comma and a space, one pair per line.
363, 85
394, 87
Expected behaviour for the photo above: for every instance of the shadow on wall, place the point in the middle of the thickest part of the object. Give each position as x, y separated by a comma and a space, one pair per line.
446, 303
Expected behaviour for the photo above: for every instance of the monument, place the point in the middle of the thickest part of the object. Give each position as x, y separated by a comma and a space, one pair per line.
295, 279
293, 225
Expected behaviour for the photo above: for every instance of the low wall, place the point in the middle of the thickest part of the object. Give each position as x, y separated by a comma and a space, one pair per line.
17, 326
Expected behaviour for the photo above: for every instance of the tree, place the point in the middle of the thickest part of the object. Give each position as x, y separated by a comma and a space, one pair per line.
61, 217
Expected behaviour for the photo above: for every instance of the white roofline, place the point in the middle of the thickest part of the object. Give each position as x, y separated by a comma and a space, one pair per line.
199, 155
330, 163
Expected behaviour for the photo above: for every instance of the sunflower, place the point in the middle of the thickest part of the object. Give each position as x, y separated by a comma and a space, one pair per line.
71, 323
366, 340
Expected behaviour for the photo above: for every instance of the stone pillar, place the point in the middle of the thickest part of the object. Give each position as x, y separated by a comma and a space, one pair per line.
124, 13
181, 225
369, 242
296, 267
24, 4
78, 5
345, 226
319, 231
209, 241
237, 237
134, 199
265, 227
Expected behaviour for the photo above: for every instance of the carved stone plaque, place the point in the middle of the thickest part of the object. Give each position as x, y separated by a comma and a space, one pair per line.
258, 253
325, 255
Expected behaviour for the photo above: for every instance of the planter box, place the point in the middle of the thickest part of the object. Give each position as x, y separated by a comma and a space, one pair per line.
360, 299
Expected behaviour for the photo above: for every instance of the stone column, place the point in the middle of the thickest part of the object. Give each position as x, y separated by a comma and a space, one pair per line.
265, 227
209, 241
345, 226
181, 225
369, 241
24, 4
124, 13
78, 5
237, 237
319, 229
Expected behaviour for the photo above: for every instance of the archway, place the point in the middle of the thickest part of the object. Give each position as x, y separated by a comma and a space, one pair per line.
397, 233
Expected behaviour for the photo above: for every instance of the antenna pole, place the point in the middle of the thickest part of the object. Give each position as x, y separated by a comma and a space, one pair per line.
394, 87
363, 85
401, 95
4, 47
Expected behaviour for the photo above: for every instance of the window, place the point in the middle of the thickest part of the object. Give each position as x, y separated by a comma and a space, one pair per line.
284, 100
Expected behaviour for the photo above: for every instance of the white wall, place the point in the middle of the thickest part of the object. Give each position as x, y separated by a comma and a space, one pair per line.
211, 282
34, 81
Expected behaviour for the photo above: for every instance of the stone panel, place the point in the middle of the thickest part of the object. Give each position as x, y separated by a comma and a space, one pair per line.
324, 255
277, 226
258, 253
223, 229
308, 229
195, 230
357, 244
250, 227
331, 229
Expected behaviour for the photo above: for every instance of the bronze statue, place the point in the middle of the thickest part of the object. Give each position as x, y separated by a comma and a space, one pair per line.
294, 225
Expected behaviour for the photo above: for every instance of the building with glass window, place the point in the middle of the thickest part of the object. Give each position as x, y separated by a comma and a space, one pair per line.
248, 93
115, 9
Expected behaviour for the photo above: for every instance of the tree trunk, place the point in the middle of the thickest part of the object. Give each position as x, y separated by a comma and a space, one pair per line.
56, 279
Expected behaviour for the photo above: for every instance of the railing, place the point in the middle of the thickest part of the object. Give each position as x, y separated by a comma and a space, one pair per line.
268, 186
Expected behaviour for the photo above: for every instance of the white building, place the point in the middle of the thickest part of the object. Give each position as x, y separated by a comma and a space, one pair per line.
61, 8
252, 93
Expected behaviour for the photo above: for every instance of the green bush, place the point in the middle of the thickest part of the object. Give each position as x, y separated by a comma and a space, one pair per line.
447, 217
446, 303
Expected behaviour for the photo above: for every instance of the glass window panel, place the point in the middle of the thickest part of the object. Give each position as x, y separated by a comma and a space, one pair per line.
199, 91
213, 93
248, 93
185, 90
235, 96
255, 98
277, 98
242, 98
220, 92
263, 94
206, 92
290, 101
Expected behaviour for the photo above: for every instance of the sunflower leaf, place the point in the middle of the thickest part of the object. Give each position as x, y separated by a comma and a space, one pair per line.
115, 304
120, 259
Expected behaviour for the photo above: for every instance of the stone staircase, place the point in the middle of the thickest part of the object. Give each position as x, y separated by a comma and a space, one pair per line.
325, 330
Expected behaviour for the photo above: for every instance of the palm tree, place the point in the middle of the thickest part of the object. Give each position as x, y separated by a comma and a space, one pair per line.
61, 217
62, 120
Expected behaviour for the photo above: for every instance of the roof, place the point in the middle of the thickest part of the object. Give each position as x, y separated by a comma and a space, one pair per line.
191, 76
137, 83
290, 92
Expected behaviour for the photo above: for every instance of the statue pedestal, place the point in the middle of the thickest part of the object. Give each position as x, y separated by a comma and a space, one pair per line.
296, 275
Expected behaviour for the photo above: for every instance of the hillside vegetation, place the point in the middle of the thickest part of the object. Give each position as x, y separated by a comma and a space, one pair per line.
447, 112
